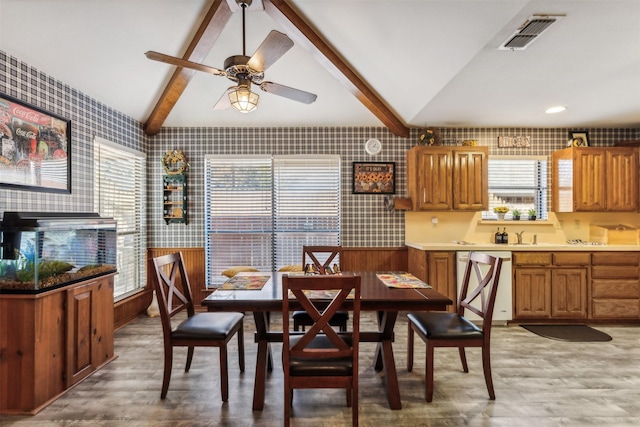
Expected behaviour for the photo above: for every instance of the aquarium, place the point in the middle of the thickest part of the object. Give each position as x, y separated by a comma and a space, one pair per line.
41, 251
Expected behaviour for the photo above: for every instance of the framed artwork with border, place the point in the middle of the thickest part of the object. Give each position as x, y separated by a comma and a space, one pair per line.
35, 148
374, 178
578, 139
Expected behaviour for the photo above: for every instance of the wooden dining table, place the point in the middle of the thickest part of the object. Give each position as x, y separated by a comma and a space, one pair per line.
375, 296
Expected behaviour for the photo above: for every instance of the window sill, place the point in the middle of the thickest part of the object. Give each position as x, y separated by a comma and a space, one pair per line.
511, 222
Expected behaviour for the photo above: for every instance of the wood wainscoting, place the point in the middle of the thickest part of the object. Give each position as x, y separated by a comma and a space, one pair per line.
354, 259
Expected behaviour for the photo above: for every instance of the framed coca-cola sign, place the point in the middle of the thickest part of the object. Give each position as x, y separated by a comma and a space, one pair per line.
35, 148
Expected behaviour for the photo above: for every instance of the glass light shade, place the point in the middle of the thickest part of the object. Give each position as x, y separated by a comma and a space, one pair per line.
243, 100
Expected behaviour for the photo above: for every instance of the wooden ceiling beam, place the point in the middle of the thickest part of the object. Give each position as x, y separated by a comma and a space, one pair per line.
302, 33
204, 39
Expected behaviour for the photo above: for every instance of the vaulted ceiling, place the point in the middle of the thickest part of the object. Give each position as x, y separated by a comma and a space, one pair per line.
394, 63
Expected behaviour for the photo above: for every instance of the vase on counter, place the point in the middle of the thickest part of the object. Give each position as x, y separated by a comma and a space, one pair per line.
500, 216
516, 217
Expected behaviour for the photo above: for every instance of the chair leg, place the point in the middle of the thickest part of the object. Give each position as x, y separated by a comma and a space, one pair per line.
429, 374
349, 397
410, 339
287, 403
168, 362
189, 359
224, 373
486, 365
354, 406
463, 359
241, 347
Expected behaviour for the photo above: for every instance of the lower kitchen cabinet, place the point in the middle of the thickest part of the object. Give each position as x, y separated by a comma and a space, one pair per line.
51, 340
550, 285
615, 285
437, 268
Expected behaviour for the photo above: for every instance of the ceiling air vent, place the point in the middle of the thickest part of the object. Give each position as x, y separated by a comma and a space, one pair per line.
529, 31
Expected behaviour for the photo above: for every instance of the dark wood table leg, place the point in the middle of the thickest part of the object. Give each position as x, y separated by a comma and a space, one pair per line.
384, 357
262, 359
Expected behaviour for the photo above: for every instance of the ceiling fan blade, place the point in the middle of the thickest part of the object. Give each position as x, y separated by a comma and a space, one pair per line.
272, 48
288, 92
161, 57
224, 102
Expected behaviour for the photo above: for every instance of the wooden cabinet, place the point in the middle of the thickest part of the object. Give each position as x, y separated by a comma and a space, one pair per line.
595, 179
550, 285
446, 178
51, 340
437, 268
615, 285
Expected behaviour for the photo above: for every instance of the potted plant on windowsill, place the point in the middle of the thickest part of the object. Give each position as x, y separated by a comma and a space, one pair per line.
532, 214
516, 214
500, 211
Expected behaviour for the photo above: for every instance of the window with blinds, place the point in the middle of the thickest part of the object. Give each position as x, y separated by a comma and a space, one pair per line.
261, 210
120, 193
518, 183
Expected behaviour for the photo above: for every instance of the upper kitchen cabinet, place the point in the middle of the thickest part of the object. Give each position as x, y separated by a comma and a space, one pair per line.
595, 179
446, 178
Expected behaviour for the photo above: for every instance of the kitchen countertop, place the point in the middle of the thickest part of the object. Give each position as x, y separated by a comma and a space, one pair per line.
528, 247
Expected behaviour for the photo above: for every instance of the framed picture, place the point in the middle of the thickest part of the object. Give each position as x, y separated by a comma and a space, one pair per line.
374, 177
35, 148
578, 139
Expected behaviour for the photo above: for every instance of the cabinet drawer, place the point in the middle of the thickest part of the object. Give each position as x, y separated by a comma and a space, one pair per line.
615, 289
616, 308
532, 258
616, 258
572, 258
613, 272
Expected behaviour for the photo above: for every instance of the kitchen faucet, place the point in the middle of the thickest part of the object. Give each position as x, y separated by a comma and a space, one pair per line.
519, 235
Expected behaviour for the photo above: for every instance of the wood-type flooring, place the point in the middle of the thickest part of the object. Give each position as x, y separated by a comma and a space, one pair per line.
538, 382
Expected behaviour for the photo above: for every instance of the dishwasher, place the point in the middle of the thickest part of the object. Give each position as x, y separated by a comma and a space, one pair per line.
502, 311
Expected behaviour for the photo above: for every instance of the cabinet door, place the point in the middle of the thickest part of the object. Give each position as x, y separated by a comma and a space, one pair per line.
569, 293
442, 275
80, 321
622, 180
470, 180
102, 337
417, 264
434, 180
532, 292
589, 179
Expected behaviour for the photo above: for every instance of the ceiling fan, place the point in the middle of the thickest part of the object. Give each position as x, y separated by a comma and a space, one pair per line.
246, 70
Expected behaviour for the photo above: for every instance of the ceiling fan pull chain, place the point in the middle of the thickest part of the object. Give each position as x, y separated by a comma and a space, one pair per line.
244, 43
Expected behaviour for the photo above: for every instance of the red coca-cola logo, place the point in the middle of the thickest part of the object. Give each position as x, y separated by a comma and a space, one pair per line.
30, 115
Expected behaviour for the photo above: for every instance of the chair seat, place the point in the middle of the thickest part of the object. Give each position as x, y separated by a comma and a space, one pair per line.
444, 326
339, 366
207, 326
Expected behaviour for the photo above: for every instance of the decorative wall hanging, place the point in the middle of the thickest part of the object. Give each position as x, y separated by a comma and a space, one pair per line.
374, 178
174, 187
578, 139
514, 141
430, 136
35, 148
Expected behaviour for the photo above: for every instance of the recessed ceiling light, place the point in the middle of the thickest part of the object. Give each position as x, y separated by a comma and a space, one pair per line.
553, 110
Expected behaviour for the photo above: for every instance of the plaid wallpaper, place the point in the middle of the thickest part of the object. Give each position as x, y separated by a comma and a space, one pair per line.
365, 221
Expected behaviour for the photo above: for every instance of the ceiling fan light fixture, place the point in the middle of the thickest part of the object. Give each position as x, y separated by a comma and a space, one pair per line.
243, 100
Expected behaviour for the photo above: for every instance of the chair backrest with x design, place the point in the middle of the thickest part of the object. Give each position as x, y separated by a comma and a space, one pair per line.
322, 257
174, 290
484, 270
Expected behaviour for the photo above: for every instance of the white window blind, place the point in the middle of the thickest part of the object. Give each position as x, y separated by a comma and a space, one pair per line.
518, 183
260, 211
120, 193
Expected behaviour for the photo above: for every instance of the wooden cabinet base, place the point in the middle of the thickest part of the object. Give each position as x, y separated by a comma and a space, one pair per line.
40, 345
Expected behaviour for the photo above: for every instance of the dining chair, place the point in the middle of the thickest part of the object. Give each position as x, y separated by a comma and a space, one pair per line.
321, 357
172, 287
442, 329
321, 259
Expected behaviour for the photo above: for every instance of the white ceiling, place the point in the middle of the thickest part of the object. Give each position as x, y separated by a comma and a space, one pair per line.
435, 63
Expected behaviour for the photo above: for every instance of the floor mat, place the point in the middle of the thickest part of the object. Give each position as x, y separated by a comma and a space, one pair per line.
575, 333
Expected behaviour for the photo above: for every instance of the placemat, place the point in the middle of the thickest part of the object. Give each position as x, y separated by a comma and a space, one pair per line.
322, 294
248, 282
401, 280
